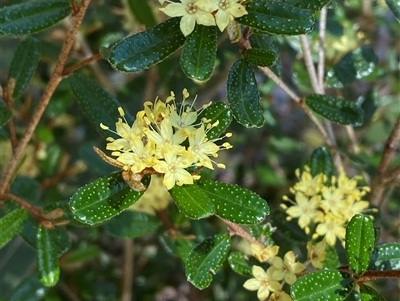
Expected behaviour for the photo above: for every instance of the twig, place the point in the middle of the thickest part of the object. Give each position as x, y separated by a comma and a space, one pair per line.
309, 64
7, 92
321, 49
85, 62
28, 207
237, 230
55, 79
127, 277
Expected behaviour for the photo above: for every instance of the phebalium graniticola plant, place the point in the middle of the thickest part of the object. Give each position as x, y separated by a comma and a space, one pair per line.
199, 150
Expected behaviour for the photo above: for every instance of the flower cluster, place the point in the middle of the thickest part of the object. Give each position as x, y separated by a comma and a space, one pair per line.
204, 12
165, 139
325, 203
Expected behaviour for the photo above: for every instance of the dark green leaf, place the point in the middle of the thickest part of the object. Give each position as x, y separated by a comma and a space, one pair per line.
132, 224
235, 203
98, 105
240, 264
313, 5
367, 293
386, 257
368, 105
354, 65
67, 214
26, 188
177, 246
335, 109
277, 18
192, 201
321, 162
206, 258
33, 16
142, 50
47, 263
360, 239
321, 285
260, 57
199, 53
30, 289
102, 199
10, 225
142, 11
83, 254
93, 162
243, 95
331, 260
5, 114
394, 6
217, 111
50, 165
264, 41
23, 64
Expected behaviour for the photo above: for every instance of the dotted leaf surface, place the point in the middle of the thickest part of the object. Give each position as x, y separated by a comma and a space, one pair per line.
335, 109
321, 286
243, 95
367, 293
140, 51
217, 111
192, 201
321, 162
386, 257
313, 5
239, 264
360, 239
199, 53
354, 65
206, 258
102, 199
235, 203
33, 16
24, 63
10, 224
277, 18
47, 262
260, 57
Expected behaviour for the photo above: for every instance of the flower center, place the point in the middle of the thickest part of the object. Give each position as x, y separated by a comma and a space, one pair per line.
191, 8
224, 4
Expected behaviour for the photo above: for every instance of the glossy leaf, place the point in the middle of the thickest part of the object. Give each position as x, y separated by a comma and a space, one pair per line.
321, 162
260, 57
192, 201
240, 264
386, 257
235, 203
335, 109
33, 16
394, 6
10, 225
23, 64
243, 95
5, 113
217, 111
142, 12
30, 289
321, 286
206, 258
354, 65
102, 199
367, 293
132, 224
140, 51
313, 5
47, 262
98, 105
360, 239
264, 41
277, 18
199, 53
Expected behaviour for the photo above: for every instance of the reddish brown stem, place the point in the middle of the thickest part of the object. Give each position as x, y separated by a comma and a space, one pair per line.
237, 230
11, 127
85, 62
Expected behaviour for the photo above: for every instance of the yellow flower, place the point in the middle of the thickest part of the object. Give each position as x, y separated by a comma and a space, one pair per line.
332, 228
308, 185
280, 296
332, 199
227, 10
287, 268
190, 13
262, 282
316, 254
264, 254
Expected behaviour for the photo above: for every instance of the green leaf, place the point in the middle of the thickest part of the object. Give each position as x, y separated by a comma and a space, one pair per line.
369, 294
206, 258
243, 95
235, 203
177, 246
321, 162
199, 53
277, 18
30, 289
360, 239
386, 257
102, 199
98, 105
217, 111
140, 51
23, 64
313, 5
10, 225
354, 65
394, 6
264, 41
142, 12
260, 57
132, 224
26, 188
192, 201
368, 105
5, 113
321, 286
331, 260
335, 109
240, 264
33, 16
47, 263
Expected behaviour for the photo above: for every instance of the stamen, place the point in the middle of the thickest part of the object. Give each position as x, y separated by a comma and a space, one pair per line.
121, 112
104, 127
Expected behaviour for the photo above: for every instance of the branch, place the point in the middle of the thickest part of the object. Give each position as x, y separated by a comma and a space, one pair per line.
127, 277
237, 230
55, 79
321, 49
85, 62
309, 64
